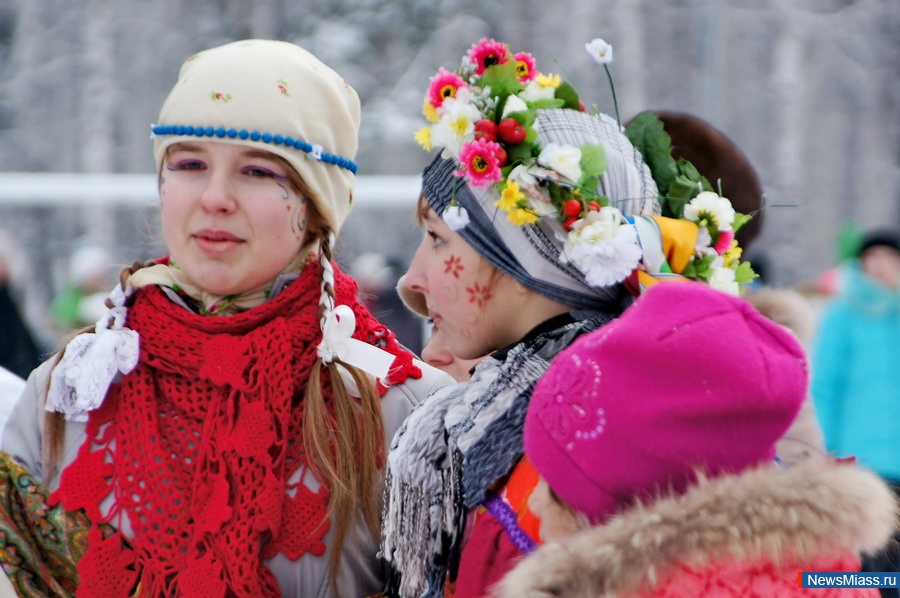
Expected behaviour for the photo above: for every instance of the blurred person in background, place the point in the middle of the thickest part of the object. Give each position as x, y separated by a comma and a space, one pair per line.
19, 349
789, 308
856, 365
89, 278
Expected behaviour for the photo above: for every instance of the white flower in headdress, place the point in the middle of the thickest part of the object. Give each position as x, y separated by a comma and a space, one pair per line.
709, 206
528, 184
522, 177
723, 280
455, 216
600, 51
457, 123
603, 246
535, 91
564, 159
513, 104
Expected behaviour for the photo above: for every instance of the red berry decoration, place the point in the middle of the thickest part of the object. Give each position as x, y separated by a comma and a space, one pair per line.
486, 129
595, 206
502, 156
581, 105
511, 131
572, 207
567, 225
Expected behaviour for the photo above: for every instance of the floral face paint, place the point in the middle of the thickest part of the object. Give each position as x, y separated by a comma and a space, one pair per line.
464, 294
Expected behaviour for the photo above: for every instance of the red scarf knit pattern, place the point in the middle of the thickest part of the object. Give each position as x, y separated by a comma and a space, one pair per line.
197, 444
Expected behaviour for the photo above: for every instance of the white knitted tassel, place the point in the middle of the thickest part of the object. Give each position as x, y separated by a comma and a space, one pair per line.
80, 380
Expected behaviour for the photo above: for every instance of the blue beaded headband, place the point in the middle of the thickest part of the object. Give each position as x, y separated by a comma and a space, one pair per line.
314, 150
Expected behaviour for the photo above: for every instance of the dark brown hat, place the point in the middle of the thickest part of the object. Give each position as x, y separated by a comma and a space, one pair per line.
879, 238
718, 159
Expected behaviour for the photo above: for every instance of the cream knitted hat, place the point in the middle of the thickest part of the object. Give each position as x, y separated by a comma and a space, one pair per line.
277, 97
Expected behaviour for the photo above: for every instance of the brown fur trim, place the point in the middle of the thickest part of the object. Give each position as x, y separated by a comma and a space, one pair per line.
809, 511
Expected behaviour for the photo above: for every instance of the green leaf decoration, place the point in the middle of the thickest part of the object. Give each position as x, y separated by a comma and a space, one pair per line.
518, 152
680, 193
703, 266
552, 103
525, 118
501, 78
593, 160
498, 107
690, 271
567, 93
744, 273
690, 171
590, 184
739, 221
646, 133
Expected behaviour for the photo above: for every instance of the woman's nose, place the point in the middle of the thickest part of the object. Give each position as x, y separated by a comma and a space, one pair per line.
218, 194
415, 278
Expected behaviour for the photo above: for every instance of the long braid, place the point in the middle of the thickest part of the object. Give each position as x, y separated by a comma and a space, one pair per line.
346, 440
55, 422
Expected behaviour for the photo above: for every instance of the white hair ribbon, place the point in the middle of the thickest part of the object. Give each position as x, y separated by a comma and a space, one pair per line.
338, 342
79, 382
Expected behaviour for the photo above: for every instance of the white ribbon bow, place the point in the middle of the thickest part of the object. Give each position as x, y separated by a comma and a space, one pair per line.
338, 342
80, 380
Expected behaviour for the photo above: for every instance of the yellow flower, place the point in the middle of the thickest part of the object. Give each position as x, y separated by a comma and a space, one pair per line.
460, 126
423, 136
733, 254
509, 197
430, 112
522, 216
550, 80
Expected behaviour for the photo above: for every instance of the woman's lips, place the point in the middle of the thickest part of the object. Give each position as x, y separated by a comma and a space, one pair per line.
216, 240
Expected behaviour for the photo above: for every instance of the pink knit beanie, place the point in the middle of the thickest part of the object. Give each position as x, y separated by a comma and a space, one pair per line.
688, 377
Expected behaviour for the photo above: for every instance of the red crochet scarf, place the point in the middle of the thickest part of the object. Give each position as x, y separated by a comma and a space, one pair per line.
197, 445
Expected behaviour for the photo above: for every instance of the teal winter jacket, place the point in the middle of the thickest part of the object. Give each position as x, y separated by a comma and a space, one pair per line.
856, 373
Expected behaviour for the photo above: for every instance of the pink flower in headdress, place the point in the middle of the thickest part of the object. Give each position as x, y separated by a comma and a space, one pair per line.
444, 85
525, 67
481, 162
487, 53
724, 241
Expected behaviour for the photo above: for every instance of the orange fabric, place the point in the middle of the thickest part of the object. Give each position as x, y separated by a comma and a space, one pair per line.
647, 280
488, 553
521, 484
678, 238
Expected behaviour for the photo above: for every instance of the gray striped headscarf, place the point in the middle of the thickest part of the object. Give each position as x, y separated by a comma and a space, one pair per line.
531, 253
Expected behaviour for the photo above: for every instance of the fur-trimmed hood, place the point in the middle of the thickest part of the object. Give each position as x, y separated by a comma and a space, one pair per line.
804, 513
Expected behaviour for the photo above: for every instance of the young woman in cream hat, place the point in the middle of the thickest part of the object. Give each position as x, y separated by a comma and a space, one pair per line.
222, 431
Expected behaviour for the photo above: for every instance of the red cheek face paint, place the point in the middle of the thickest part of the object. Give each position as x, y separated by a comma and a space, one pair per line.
453, 266
478, 294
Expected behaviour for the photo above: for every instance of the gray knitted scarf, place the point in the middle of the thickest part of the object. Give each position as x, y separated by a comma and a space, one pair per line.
452, 449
